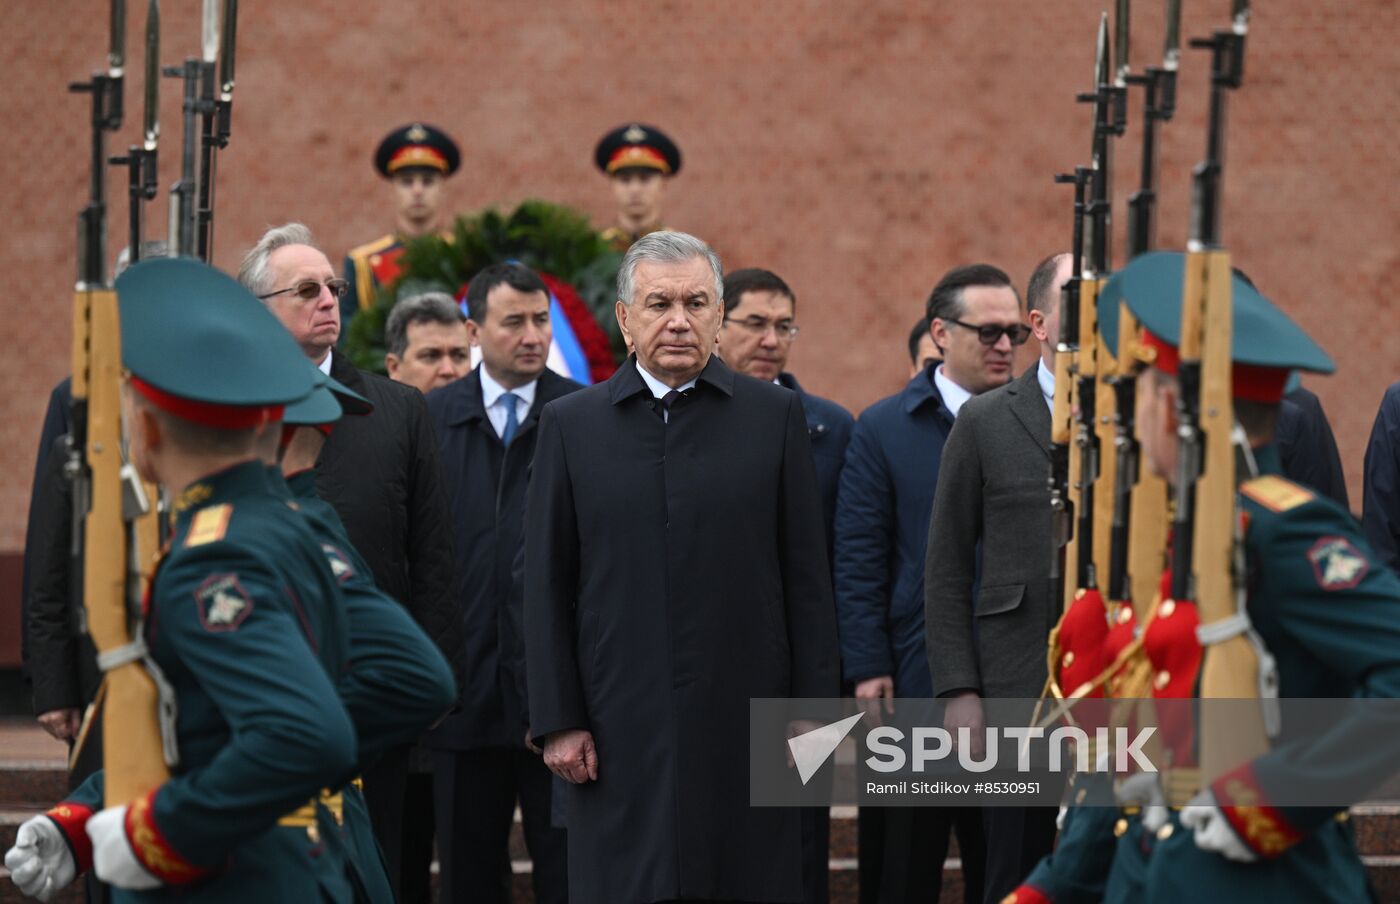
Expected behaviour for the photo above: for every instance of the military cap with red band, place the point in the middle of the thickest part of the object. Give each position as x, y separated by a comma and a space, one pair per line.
637, 146
199, 346
1266, 346
417, 146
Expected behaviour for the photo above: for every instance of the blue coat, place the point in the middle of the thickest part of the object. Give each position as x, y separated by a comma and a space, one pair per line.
882, 518
1380, 505
829, 429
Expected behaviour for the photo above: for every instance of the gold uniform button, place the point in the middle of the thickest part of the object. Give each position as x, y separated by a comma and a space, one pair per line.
1162, 679
1125, 615
1165, 832
1083, 793
1119, 828
1168, 607
1011, 898
1067, 660
1079, 594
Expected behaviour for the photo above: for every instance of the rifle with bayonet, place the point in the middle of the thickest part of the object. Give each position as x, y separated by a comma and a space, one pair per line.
140, 160
108, 498
1138, 533
1205, 539
206, 127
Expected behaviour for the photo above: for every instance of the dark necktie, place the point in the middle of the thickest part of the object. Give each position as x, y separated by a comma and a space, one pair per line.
668, 400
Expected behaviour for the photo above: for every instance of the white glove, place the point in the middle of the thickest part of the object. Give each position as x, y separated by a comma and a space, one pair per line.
113, 860
1144, 790
1213, 831
40, 863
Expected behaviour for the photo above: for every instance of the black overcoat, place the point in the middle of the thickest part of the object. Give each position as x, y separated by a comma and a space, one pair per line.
673, 571
485, 484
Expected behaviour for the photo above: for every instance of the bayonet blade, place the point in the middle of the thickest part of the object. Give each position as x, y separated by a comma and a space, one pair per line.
210, 30
226, 54
1171, 52
151, 121
1239, 13
116, 51
1121, 23
1101, 54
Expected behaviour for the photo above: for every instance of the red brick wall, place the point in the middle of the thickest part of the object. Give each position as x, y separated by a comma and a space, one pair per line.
859, 149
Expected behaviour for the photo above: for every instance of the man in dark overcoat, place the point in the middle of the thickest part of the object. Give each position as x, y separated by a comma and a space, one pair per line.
486, 424
675, 568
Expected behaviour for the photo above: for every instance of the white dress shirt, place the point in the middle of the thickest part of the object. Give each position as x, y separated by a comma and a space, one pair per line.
1046, 376
325, 364
659, 389
953, 395
491, 393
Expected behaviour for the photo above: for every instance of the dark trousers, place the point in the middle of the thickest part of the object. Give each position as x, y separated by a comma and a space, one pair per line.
476, 796
902, 850
1017, 837
816, 855
400, 806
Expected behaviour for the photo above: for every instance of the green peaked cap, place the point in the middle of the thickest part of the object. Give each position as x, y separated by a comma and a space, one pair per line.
1262, 335
196, 333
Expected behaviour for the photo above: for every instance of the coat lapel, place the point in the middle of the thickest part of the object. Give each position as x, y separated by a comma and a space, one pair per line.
1028, 404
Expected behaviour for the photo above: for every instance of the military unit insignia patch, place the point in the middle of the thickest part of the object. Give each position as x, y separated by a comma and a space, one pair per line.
340, 565
223, 603
1337, 564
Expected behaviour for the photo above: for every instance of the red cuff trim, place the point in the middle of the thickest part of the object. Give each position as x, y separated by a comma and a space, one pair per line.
151, 848
1026, 894
71, 819
1258, 824
208, 414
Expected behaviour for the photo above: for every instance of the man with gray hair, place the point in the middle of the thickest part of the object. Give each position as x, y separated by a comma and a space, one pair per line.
675, 568
382, 475
426, 344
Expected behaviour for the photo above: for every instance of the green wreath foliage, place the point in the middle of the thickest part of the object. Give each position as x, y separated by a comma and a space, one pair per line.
549, 238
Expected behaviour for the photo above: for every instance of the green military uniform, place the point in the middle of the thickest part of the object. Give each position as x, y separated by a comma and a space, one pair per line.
243, 618
398, 682
635, 146
1327, 613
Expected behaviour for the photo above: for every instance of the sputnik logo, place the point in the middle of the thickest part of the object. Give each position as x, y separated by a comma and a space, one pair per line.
811, 749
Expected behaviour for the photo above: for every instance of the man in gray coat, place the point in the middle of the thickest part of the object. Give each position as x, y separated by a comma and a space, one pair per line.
987, 595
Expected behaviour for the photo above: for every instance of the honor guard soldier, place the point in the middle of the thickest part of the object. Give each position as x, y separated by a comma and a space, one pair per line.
242, 627
399, 682
1319, 603
639, 160
415, 158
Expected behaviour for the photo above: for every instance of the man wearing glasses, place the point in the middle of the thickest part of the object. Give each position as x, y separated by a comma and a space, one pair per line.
756, 338
882, 534
382, 475
760, 313
987, 602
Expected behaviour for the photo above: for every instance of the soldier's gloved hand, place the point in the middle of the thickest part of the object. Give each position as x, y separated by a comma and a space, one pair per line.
113, 860
1212, 830
40, 863
1144, 790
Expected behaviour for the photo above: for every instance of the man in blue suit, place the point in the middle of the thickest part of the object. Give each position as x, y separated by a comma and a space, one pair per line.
485, 423
882, 531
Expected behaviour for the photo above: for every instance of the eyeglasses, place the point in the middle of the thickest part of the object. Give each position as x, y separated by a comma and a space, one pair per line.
784, 331
310, 289
990, 334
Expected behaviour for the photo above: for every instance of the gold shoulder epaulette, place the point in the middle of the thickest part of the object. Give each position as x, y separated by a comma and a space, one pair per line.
1276, 493
373, 247
209, 525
